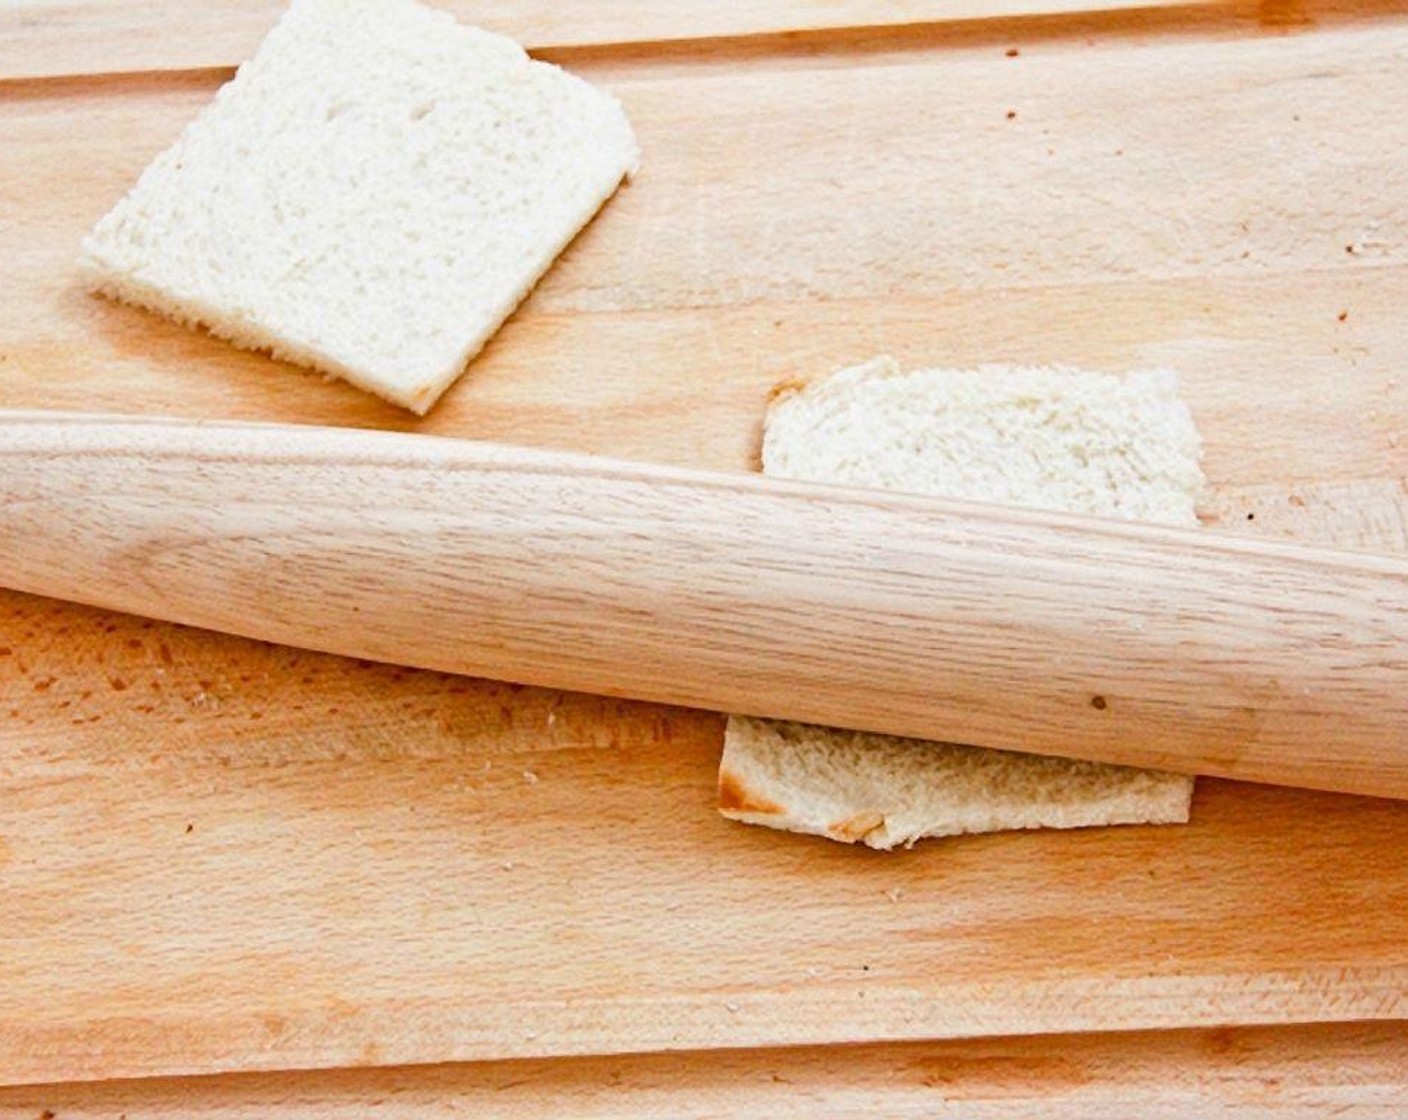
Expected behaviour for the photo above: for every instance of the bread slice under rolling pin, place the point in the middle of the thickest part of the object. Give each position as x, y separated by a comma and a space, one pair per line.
371, 195
1046, 438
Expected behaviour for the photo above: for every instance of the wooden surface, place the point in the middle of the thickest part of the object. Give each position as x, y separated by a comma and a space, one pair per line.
56, 38
223, 856
1139, 645
1282, 1073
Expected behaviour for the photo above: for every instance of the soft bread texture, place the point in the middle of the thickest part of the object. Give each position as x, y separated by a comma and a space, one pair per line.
1045, 438
371, 195
884, 791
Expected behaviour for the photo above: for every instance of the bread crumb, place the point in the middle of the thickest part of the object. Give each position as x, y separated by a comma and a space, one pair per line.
894, 894
507, 865
530, 777
732, 1007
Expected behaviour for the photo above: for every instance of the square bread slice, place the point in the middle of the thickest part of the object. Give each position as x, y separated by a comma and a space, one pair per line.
1046, 438
371, 195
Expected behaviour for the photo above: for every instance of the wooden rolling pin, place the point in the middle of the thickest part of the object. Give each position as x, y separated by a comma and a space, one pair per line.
1059, 635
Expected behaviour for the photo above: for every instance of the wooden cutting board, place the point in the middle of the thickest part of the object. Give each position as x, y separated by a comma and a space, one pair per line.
1302, 1072
218, 856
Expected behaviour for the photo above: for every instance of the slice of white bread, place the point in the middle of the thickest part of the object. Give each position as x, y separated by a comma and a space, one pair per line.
371, 195
1047, 438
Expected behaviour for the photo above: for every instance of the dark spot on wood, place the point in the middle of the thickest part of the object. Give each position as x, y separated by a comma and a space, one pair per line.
1011, 114
1099, 703
1251, 517
1013, 52
190, 828
118, 684
1342, 316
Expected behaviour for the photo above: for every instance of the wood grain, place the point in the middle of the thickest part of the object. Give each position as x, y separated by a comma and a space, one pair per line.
342, 895
225, 855
1281, 1073
729, 266
54, 38
1141, 645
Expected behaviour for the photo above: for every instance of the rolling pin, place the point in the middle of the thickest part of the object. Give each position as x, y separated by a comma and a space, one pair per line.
1168, 648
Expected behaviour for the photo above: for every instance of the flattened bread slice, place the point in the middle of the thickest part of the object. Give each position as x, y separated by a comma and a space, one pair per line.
883, 790
371, 195
1049, 438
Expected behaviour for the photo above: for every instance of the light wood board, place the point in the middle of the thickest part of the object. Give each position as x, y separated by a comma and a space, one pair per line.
223, 856
57, 38
1280, 1073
